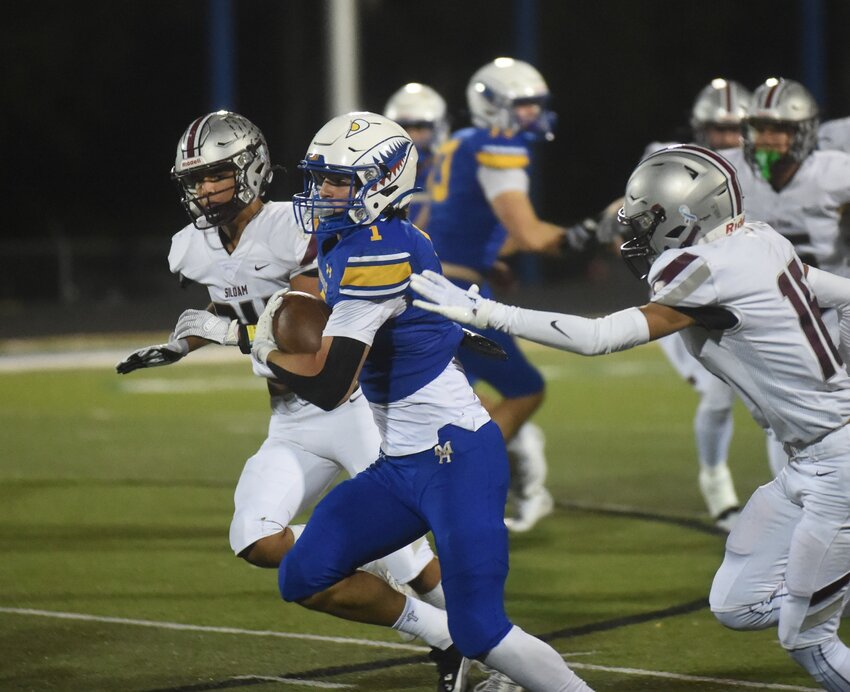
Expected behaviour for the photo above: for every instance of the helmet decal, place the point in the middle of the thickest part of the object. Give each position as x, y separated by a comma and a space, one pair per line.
357, 126
391, 160
689, 217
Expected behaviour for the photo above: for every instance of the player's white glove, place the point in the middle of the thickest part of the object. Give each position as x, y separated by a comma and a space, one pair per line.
208, 326
154, 356
264, 342
451, 301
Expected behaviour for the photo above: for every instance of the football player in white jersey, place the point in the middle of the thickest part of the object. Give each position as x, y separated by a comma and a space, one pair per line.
243, 250
747, 308
835, 134
716, 117
800, 191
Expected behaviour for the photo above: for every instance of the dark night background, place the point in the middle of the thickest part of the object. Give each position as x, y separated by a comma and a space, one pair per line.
95, 96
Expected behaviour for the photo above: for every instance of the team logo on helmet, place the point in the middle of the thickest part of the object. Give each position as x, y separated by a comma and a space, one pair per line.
357, 126
391, 159
689, 217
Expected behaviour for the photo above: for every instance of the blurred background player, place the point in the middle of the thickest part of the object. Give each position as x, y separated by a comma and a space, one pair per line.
480, 209
716, 117
243, 250
800, 191
835, 134
443, 465
421, 111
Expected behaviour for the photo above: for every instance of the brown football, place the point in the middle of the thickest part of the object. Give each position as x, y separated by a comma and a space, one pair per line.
299, 322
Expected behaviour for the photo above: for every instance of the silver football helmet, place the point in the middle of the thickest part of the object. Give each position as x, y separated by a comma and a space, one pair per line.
677, 197
783, 102
418, 105
377, 158
217, 144
499, 87
722, 103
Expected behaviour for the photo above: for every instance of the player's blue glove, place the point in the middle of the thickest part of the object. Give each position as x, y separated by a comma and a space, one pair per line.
154, 356
451, 301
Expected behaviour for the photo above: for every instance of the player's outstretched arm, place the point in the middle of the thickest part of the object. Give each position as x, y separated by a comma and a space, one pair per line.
184, 339
616, 332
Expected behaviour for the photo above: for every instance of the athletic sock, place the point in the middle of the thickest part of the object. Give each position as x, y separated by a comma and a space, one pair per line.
533, 664
435, 597
426, 622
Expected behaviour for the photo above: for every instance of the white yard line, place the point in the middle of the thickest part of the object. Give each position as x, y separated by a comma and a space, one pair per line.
106, 359
374, 644
690, 678
206, 628
295, 681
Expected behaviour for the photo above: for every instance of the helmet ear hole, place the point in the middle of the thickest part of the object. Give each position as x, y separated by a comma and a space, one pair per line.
676, 232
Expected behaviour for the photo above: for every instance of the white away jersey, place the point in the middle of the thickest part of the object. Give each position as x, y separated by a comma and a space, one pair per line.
835, 134
778, 357
272, 250
807, 210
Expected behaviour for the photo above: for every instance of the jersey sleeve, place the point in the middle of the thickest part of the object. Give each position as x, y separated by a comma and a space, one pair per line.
361, 319
682, 280
179, 252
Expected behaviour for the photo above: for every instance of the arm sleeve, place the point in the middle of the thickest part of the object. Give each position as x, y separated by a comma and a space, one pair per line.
327, 389
834, 291
590, 337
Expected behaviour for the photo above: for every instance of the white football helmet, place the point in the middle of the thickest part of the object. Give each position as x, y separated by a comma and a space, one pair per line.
677, 197
498, 87
418, 105
217, 143
378, 158
783, 102
722, 103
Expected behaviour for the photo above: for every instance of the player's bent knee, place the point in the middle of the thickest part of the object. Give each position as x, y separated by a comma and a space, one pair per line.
269, 550
735, 619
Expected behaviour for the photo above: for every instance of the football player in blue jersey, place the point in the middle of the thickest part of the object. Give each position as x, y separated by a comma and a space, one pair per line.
480, 209
442, 466
421, 111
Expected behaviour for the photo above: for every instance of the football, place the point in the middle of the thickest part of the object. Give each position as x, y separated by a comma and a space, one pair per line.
299, 321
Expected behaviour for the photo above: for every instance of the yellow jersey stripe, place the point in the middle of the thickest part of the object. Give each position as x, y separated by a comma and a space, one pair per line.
376, 275
491, 160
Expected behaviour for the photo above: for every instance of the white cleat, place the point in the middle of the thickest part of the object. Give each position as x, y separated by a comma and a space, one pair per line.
719, 494
497, 682
530, 510
531, 500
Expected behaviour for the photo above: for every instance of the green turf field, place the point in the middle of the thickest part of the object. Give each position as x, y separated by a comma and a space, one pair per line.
116, 572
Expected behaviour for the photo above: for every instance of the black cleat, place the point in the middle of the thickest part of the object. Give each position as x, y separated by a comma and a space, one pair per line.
452, 668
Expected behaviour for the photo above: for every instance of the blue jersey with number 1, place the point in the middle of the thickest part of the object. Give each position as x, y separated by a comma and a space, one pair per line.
375, 263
